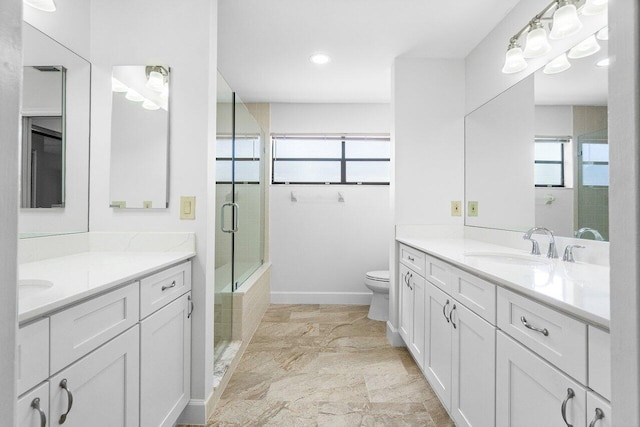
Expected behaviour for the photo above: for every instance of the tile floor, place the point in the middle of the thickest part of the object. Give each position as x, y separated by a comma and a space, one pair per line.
326, 365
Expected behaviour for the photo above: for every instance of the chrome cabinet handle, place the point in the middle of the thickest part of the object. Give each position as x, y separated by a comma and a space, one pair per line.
35, 404
172, 285
451, 316
63, 385
410, 258
410, 277
599, 415
544, 331
191, 310
570, 395
444, 311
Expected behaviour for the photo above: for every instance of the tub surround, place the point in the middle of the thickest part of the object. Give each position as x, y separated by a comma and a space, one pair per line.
88, 264
579, 289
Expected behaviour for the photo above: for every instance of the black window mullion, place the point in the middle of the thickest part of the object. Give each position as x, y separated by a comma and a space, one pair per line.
343, 164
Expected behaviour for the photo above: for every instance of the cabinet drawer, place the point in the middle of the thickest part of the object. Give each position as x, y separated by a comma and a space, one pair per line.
598, 411
79, 329
28, 415
33, 354
476, 294
412, 258
439, 273
160, 289
564, 342
600, 361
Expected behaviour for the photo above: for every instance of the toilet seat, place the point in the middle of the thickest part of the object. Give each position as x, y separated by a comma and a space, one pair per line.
378, 276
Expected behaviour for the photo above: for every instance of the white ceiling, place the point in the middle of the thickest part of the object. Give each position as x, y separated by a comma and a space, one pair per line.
264, 45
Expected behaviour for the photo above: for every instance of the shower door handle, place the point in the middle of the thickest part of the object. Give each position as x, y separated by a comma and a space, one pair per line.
234, 207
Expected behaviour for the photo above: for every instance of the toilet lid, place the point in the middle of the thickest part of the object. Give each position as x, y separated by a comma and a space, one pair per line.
380, 276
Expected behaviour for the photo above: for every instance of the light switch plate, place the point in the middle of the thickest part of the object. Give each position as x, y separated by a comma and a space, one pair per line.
147, 204
118, 204
187, 207
472, 209
456, 208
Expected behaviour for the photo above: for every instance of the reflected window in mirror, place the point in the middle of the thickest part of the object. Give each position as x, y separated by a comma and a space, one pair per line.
549, 170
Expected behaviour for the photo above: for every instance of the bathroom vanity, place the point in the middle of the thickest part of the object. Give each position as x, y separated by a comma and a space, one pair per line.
506, 338
105, 339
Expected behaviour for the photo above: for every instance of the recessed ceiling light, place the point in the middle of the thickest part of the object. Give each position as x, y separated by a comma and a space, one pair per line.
604, 63
319, 58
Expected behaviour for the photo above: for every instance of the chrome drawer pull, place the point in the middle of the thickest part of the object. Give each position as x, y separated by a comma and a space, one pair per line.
451, 316
444, 311
410, 258
570, 395
63, 385
35, 404
544, 331
172, 285
598, 417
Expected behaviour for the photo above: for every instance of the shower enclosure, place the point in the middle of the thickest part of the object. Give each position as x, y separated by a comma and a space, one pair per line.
240, 192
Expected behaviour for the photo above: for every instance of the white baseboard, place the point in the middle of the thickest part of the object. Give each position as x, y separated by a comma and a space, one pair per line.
195, 413
363, 298
393, 336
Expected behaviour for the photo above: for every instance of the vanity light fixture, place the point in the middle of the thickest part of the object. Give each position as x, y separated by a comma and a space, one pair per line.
558, 65
118, 86
604, 63
44, 5
585, 48
537, 43
594, 7
603, 34
320, 58
133, 95
150, 105
565, 20
157, 77
514, 60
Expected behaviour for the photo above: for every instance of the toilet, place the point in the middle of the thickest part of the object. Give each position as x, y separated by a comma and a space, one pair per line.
378, 282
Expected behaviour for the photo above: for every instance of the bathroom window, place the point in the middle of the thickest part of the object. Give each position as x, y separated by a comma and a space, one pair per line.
330, 159
549, 168
247, 159
595, 164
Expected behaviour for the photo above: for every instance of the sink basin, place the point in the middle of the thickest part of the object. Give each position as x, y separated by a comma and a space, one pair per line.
509, 258
35, 283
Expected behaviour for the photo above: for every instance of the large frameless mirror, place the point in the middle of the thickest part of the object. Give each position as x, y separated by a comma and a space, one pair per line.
139, 171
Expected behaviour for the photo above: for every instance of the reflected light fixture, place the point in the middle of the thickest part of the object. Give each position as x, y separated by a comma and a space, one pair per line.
594, 7
537, 43
565, 20
157, 77
118, 86
134, 96
514, 59
558, 65
320, 58
150, 105
604, 63
585, 48
44, 5
603, 34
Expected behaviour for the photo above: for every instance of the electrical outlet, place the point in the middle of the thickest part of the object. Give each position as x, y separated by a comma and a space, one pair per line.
472, 209
147, 204
187, 207
456, 208
118, 204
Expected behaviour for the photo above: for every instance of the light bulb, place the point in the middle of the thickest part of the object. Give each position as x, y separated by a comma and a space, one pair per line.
320, 58
585, 48
565, 21
603, 34
558, 65
537, 43
514, 60
118, 86
594, 7
155, 81
134, 96
44, 5
604, 63
150, 105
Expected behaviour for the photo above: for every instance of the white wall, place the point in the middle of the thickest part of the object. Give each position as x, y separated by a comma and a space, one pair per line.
320, 248
184, 37
10, 83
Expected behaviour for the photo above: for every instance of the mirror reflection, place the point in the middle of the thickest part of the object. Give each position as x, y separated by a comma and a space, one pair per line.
538, 153
140, 137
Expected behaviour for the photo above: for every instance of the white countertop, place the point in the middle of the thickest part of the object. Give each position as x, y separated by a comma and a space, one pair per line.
579, 289
48, 285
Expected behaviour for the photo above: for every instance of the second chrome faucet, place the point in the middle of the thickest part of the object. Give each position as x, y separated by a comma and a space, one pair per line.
552, 252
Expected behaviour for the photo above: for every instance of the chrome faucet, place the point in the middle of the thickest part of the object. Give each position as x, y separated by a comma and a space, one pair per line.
568, 252
552, 252
593, 231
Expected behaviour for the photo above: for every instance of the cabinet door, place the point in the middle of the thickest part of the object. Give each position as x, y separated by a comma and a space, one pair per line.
417, 343
530, 392
31, 411
598, 411
406, 306
165, 367
474, 369
437, 364
104, 385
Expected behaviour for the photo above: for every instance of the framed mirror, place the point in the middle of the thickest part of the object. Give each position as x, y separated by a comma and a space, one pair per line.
54, 154
139, 173
538, 154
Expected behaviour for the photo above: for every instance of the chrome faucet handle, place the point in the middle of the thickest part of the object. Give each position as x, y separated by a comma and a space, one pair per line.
568, 252
535, 248
552, 252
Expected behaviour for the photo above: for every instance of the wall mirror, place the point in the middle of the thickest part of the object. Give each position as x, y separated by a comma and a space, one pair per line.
538, 153
139, 170
54, 148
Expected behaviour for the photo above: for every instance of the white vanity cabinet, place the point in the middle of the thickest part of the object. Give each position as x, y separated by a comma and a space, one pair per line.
412, 310
33, 407
598, 411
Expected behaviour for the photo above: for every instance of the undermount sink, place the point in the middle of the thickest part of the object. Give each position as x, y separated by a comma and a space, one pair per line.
509, 258
35, 283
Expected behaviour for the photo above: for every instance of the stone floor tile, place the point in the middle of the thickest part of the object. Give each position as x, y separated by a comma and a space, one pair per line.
341, 414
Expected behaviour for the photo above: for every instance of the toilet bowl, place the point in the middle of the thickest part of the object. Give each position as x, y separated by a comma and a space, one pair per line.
378, 282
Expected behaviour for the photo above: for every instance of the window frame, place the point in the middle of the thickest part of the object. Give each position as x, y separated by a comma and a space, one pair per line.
241, 159
343, 138
562, 140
